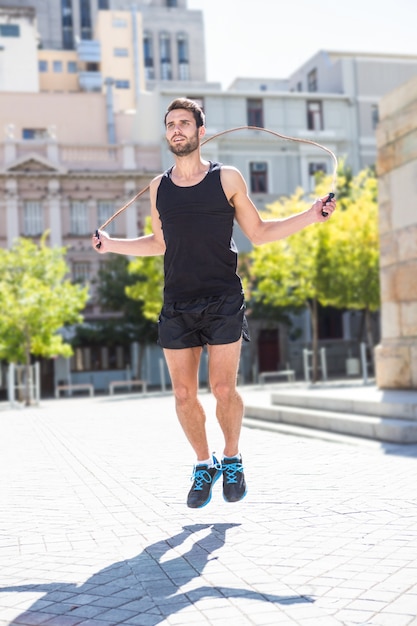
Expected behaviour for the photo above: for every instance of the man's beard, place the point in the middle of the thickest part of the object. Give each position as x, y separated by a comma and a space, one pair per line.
185, 148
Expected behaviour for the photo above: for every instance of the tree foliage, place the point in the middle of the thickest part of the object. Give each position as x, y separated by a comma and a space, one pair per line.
36, 301
351, 269
287, 271
148, 285
352, 264
335, 264
125, 323
114, 281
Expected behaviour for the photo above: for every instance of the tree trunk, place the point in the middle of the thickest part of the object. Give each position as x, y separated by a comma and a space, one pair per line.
315, 326
313, 308
369, 336
360, 333
141, 356
28, 378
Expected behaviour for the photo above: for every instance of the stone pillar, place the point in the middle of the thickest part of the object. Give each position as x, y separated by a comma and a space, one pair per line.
12, 211
396, 355
131, 214
54, 202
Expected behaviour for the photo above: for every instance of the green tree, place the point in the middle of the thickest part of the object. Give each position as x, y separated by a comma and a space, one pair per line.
148, 272
351, 267
36, 301
336, 264
287, 272
129, 324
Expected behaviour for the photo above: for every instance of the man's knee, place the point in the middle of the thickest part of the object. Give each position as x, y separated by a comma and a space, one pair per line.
184, 393
222, 390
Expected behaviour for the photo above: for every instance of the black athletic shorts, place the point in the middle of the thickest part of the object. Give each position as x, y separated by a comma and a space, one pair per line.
214, 320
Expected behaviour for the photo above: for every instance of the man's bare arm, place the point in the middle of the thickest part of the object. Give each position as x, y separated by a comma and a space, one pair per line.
261, 231
146, 245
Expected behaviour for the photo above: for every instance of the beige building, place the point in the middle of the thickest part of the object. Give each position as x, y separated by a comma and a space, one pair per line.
396, 356
59, 173
136, 43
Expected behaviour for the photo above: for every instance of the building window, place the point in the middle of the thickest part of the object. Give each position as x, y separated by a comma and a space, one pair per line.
183, 60
43, 66
100, 358
299, 86
314, 115
148, 56
85, 19
120, 52
122, 84
71, 67
103, 5
172, 3
198, 100
105, 209
57, 67
79, 218
255, 112
9, 30
32, 218
35, 133
119, 22
312, 80
67, 25
165, 55
313, 170
375, 116
81, 272
259, 177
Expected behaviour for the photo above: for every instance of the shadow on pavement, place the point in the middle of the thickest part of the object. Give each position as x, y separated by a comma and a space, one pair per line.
147, 585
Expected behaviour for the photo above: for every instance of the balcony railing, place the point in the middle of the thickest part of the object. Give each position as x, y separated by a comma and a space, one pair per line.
90, 81
125, 157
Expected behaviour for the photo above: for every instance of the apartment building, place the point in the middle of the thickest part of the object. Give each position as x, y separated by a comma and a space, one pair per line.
86, 134
135, 42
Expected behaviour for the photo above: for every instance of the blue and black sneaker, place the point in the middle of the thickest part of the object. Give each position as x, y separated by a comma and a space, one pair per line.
234, 485
203, 478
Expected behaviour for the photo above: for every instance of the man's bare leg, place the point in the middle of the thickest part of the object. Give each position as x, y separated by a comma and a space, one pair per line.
183, 368
223, 368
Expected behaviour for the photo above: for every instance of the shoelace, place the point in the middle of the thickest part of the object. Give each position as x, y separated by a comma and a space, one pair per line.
201, 476
231, 470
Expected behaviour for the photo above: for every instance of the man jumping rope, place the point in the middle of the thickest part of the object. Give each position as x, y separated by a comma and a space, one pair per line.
193, 208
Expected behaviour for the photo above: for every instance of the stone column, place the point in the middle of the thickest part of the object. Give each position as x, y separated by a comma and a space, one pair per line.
12, 211
396, 355
54, 202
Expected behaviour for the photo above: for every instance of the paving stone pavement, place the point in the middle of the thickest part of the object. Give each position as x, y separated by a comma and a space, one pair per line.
94, 529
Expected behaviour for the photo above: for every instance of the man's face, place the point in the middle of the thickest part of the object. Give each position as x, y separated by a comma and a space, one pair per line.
182, 134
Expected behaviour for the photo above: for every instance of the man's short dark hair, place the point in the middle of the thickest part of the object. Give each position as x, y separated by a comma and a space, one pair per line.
188, 105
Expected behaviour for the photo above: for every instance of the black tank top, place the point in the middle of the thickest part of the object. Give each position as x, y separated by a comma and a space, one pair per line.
197, 222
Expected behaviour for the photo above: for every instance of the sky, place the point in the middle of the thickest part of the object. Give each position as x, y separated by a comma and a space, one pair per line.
272, 38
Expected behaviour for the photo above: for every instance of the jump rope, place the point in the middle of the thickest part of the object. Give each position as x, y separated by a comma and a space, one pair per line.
225, 132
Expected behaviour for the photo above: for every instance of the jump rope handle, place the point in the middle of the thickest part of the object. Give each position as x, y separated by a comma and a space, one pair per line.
98, 245
330, 196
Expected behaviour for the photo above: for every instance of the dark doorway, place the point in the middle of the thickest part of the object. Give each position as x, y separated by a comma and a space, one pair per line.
47, 377
268, 350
